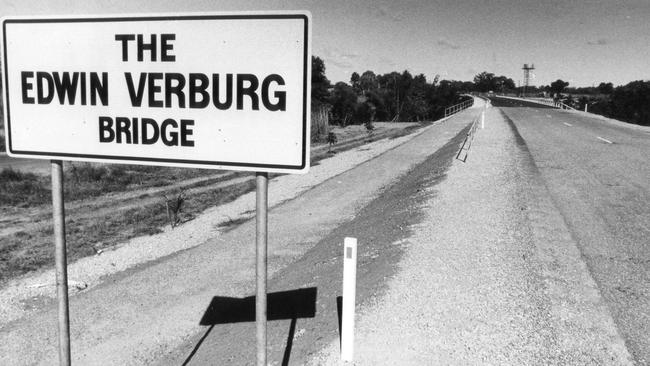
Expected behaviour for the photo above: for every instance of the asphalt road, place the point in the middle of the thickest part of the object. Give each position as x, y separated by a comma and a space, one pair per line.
598, 175
164, 312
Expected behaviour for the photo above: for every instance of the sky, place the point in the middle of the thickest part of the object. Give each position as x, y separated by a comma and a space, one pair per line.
583, 42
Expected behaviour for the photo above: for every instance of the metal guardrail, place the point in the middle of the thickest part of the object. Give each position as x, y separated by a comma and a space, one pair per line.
564, 106
469, 138
552, 103
548, 102
458, 107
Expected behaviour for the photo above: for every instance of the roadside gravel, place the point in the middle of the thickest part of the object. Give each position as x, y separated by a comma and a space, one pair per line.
490, 276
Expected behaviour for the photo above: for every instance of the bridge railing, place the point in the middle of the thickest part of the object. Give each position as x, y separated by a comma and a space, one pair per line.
564, 106
458, 107
548, 102
469, 138
545, 101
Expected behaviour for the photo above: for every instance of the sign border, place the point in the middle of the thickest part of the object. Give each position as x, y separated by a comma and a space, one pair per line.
303, 167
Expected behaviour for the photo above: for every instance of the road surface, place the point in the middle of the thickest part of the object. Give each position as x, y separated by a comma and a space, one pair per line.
492, 275
533, 251
598, 175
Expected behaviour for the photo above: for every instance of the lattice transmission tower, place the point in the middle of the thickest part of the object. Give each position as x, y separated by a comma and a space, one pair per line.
527, 76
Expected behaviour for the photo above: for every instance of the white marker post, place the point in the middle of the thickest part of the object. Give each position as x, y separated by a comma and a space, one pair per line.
605, 140
482, 120
349, 295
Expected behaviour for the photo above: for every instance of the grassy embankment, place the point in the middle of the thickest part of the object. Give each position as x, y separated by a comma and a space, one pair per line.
30, 249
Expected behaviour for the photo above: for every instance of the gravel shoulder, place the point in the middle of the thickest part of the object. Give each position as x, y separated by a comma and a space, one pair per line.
492, 275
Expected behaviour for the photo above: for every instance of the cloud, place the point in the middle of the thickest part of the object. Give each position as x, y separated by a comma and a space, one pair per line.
385, 12
350, 55
447, 44
387, 61
341, 59
598, 42
340, 64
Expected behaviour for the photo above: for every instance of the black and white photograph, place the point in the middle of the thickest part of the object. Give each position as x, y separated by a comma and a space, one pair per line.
324, 183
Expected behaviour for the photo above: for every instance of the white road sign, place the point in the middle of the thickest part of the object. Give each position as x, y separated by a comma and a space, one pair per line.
227, 91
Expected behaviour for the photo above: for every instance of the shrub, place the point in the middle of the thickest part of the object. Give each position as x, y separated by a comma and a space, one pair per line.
369, 126
631, 102
331, 140
83, 173
174, 206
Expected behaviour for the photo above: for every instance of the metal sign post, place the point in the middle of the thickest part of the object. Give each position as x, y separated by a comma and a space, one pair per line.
261, 217
61, 262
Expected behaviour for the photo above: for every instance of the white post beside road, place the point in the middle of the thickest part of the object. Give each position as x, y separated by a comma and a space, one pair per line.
349, 295
482, 120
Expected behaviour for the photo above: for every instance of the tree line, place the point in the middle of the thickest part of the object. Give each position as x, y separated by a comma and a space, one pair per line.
394, 96
629, 102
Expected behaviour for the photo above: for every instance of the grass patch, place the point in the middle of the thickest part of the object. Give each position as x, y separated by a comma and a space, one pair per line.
91, 180
22, 189
87, 180
20, 253
24, 252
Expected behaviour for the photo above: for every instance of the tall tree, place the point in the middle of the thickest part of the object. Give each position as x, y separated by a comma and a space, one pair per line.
484, 81
502, 83
606, 88
415, 106
368, 81
343, 101
487, 81
558, 86
319, 83
631, 102
354, 81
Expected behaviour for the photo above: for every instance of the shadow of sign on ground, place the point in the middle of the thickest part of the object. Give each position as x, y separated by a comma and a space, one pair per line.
284, 305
